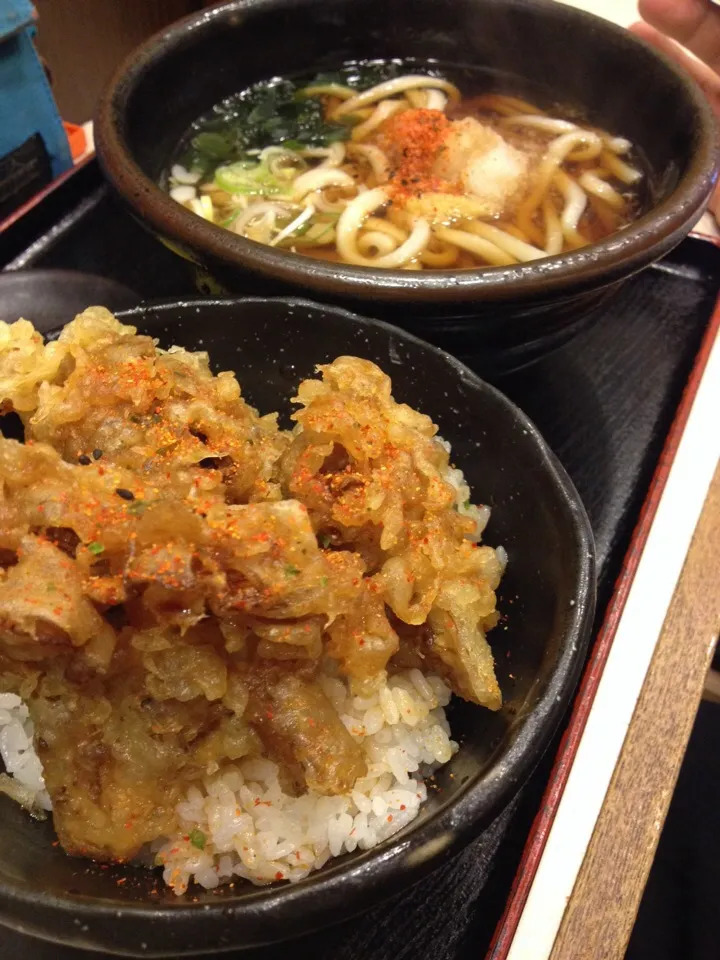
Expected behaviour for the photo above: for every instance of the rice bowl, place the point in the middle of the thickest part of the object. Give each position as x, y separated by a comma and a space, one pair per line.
129, 910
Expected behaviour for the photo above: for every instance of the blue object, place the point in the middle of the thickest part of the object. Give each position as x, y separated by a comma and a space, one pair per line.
27, 106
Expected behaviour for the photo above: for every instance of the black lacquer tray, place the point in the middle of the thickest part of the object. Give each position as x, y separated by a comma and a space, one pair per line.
604, 402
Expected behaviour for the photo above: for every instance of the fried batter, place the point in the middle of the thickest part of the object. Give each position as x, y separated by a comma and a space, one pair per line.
176, 573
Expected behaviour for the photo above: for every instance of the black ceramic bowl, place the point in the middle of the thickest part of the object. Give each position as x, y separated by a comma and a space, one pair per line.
548, 595
48, 297
500, 317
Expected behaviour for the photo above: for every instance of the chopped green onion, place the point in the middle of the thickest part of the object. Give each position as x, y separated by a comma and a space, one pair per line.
249, 179
96, 548
295, 226
302, 229
291, 570
198, 839
230, 220
325, 232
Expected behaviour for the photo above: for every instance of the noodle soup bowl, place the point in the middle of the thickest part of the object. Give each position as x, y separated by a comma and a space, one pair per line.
568, 62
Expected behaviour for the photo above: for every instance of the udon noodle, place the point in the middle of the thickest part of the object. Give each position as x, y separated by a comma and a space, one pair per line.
418, 178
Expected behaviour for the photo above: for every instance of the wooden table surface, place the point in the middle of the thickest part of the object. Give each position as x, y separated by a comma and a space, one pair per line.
600, 914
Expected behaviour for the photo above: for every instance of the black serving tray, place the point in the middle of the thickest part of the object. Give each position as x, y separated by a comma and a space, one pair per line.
604, 402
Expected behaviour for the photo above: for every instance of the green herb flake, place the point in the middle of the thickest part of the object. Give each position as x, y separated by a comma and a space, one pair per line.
137, 507
324, 540
291, 570
96, 548
324, 581
467, 504
161, 451
198, 839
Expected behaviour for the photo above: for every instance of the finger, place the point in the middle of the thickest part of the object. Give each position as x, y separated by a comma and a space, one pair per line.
693, 23
707, 79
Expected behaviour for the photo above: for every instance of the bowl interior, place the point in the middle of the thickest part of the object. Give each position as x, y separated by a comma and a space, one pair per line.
547, 600
559, 57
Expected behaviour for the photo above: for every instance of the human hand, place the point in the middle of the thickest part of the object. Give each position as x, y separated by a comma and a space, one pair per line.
678, 26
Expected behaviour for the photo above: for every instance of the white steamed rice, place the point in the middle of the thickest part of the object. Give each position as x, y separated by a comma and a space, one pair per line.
25, 781
250, 829
456, 478
239, 823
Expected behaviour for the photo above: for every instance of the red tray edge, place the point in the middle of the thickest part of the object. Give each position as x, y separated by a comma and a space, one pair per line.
537, 838
45, 192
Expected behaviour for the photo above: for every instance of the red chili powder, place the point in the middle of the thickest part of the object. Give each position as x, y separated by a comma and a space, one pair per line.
414, 139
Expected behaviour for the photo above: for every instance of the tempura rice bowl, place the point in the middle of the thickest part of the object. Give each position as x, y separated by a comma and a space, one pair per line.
538, 651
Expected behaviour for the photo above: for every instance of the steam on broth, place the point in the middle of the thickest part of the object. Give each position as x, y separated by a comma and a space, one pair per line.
380, 168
